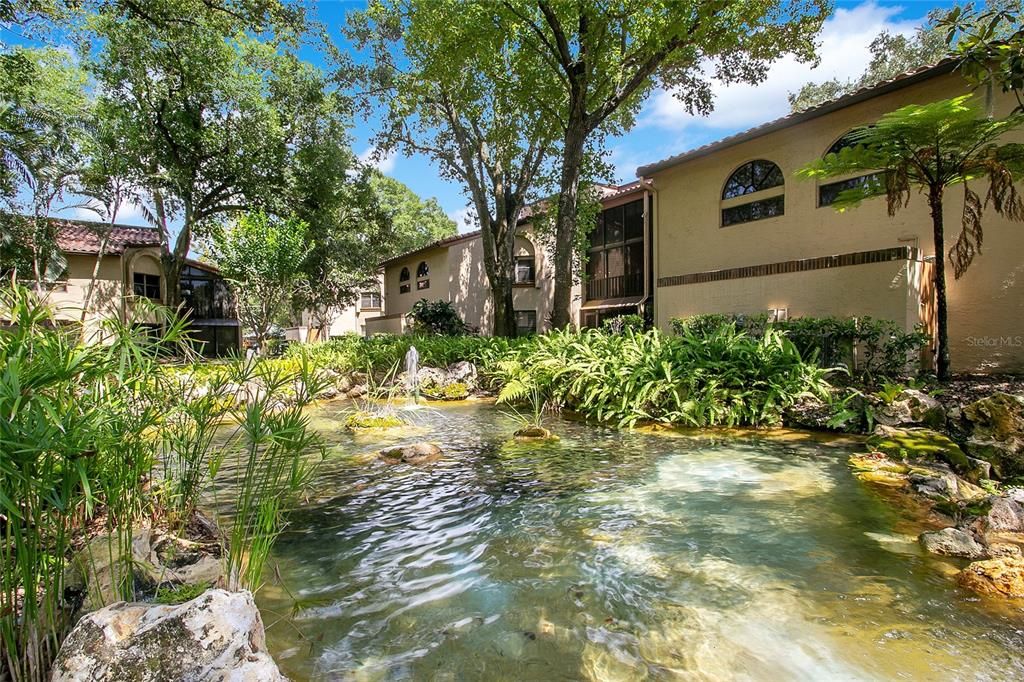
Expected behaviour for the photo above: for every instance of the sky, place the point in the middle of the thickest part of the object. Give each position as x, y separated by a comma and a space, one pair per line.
664, 127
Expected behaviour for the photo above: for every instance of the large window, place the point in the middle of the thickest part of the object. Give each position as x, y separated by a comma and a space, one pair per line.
403, 281
369, 300
829, 192
206, 295
615, 259
759, 177
525, 270
147, 286
526, 322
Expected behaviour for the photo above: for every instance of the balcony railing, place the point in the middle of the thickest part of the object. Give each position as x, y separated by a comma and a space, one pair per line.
616, 287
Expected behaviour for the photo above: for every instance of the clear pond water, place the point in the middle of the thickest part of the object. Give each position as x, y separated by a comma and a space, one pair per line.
614, 555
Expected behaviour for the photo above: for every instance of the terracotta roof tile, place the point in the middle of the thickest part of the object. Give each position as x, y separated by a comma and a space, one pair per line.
83, 237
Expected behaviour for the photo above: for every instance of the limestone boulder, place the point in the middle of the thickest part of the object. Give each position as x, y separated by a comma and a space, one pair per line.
1001, 577
912, 408
953, 542
1005, 516
217, 636
994, 427
916, 444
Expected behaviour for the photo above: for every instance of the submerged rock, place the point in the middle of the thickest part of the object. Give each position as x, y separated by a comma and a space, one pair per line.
953, 542
1002, 577
417, 453
216, 636
534, 433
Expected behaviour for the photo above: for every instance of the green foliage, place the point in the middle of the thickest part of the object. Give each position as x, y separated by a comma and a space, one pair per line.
453, 391
721, 378
617, 325
262, 258
179, 594
415, 222
883, 349
989, 42
84, 426
368, 420
436, 317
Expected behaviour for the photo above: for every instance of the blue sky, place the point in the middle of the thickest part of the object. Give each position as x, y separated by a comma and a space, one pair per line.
664, 128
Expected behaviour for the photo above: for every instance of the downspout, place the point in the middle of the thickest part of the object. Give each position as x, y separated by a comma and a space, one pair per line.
649, 191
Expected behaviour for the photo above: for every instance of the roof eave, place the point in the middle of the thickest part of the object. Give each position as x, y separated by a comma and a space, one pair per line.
941, 68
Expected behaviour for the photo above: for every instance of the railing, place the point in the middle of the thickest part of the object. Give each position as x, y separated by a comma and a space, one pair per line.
616, 287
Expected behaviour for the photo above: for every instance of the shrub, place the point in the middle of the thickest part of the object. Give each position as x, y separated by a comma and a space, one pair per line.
617, 325
436, 317
882, 350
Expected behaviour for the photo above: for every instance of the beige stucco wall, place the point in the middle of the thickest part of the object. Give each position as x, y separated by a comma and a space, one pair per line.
465, 283
988, 303
400, 304
887, 291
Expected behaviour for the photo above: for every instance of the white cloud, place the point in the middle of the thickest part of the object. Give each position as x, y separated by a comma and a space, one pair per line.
465, 219
844, 53
384, 163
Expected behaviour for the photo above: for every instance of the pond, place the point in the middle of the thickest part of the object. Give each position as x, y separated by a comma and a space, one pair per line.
613, 555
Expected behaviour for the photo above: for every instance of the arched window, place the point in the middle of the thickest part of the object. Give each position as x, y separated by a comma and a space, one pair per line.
759, 177
404, 276
403, 281
829, 192
422, 276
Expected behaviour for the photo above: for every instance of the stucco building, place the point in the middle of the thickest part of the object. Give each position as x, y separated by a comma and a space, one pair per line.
130, 270
350, 320
736, 231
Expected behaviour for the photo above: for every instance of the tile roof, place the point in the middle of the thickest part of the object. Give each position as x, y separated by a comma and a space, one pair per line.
867, 92
83, 237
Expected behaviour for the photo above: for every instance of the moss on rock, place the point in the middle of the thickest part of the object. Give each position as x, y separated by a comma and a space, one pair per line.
919, 444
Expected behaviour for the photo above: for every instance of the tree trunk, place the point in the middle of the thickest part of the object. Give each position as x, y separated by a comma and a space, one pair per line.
941, 314
504, 310
565, 226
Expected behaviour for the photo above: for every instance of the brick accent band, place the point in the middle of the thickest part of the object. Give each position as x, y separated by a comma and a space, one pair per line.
821, 263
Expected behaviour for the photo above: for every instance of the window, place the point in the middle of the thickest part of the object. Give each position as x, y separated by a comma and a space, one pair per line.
526, 322
147, 285
369, 300
403, 281
422, 273
524, 272
755, 210
829, 192
753, 177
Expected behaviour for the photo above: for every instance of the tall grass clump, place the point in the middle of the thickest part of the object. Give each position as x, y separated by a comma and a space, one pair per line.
720, 376
99, 440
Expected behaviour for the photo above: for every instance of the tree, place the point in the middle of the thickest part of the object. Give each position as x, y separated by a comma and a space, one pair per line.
415, 222
989, 44
44, 114
262, 258
599, 60
891, 55
214, 108
447, 94
933, 147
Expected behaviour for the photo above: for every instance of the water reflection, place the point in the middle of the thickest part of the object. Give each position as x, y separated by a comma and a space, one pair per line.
612, 556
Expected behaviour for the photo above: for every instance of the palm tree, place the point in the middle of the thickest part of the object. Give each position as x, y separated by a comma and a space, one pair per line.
933, 147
